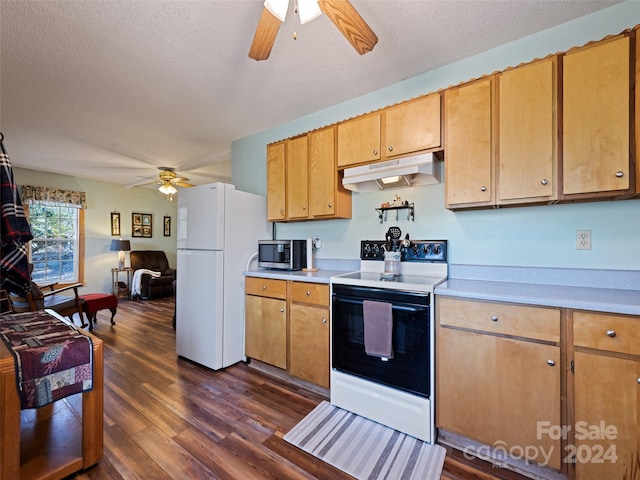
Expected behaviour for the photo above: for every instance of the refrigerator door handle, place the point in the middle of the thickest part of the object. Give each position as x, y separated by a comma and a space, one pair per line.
251, 259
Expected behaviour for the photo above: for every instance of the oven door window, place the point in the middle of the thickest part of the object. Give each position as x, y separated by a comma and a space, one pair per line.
409, 369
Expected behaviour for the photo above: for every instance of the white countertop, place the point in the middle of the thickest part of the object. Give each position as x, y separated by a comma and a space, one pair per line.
581, 298
320, 276
597, 290
611, 291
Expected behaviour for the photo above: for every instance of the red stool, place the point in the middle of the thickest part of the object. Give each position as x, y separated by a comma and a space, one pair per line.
92, 302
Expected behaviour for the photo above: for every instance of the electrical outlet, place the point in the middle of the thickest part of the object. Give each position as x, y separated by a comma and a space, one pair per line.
317, 242
583, 239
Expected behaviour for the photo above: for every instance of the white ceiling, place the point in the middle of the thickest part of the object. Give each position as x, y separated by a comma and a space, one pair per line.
112, 89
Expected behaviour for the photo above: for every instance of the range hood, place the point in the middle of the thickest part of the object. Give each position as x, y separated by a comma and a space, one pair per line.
401, 172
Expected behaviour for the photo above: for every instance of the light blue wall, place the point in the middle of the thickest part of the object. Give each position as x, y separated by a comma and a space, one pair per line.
521, 236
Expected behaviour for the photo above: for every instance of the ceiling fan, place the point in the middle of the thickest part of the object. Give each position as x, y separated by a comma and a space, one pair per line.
169, 180
343, 15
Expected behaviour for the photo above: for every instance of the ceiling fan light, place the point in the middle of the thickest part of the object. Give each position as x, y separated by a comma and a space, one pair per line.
308, 10
278, 8
167, 189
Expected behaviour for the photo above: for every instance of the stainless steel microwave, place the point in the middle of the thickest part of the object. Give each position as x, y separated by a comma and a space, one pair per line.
282, 254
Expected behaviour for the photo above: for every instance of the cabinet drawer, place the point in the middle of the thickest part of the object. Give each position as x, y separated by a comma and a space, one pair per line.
615, 333
537, 323
265, 287
312, 293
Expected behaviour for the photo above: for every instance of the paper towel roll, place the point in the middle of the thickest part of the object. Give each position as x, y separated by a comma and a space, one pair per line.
309, 253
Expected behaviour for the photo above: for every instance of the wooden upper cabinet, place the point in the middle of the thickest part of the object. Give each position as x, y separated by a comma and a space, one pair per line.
637, 120
413, 126
322, 172
297, 178
527, 143
327, 197
359, 140
596, 106
469, 144
276, 182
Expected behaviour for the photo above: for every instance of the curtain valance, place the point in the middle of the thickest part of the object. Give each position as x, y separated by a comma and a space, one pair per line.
43, 195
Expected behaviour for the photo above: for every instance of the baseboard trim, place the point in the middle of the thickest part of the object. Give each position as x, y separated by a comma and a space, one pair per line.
473, 450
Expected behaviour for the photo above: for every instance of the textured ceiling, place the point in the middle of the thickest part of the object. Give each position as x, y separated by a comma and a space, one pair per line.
111, 90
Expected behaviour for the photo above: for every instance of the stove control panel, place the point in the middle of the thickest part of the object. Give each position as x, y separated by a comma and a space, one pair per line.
417, 251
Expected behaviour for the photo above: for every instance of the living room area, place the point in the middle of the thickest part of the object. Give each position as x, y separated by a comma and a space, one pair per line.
103, 199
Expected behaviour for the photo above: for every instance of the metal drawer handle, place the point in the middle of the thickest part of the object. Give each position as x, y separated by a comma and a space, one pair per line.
638, 379
551, 362
264, 287
375, 152
282, 210
281, 310
304, 207
544, 181
308, 293
390, 148
619, 174
611, 333
494, 318
483, 188
324, 320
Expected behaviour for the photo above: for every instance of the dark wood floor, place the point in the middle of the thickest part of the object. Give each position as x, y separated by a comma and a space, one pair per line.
167, 418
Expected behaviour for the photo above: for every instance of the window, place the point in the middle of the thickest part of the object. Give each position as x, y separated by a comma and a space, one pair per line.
56, 250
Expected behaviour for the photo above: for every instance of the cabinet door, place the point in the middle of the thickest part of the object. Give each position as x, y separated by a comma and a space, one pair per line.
297, 178
309, 343
468, 145
495, 390
637, 119
323, 178
359, 140
266, 330
413, 126
528, 133
596, 96
607, 402
276, 183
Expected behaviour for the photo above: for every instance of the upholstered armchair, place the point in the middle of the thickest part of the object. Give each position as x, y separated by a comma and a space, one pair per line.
152, 285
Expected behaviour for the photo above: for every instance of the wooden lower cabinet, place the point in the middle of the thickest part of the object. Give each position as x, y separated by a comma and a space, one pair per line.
309, 332
606, 396
309, 337
266, 321
494, 389
287, 326
507, 377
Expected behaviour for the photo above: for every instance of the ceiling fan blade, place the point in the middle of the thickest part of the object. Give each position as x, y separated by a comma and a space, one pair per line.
139, 183
346, 19
183, 184
265, 36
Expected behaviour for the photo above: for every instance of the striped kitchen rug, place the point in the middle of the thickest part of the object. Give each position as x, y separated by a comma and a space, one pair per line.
363, 448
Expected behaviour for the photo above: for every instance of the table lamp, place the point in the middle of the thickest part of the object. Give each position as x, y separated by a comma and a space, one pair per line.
120, 246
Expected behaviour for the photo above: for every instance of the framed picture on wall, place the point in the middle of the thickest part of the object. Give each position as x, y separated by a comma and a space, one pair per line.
167, 226
115, 224
142, 225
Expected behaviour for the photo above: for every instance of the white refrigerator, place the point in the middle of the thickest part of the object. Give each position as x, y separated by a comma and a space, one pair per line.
218, 230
